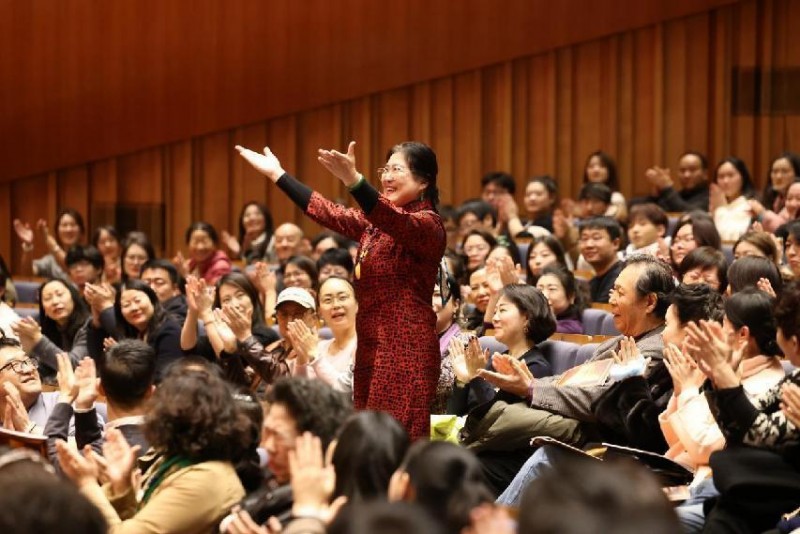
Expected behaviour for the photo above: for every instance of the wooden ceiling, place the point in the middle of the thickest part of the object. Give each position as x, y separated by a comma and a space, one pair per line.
82, 80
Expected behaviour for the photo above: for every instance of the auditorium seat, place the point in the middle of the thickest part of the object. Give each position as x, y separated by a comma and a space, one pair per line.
598, 323
28, 311
27, 291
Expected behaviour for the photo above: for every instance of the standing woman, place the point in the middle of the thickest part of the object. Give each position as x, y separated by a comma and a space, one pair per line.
402, 240
69, 231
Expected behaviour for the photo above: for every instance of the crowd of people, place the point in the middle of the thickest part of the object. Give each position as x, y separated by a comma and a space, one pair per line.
263, 380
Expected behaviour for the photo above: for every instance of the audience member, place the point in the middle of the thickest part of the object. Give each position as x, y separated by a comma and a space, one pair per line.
255, 234
601, 169
772, 211
206, 260
693, 176
542, 251
600, 240
759, 244
647, 226
705, 265
560, 288
69, 231
136, 251
85, 265
749, 271
730, 193
106, 240
164, 280
300, 271
288, 242
694, 229
335, 262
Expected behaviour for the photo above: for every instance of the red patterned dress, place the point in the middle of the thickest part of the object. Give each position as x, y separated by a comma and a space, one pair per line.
397, 357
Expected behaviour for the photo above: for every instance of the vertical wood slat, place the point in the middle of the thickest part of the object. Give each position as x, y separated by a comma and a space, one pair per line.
644, 95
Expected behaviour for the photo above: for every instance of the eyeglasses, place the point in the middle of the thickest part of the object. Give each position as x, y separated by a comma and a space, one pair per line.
21, 366
393, 170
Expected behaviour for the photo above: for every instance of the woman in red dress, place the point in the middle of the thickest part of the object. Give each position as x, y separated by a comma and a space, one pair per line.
402, 240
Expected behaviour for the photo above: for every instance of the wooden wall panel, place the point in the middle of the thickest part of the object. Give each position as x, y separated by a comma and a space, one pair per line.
644, 95
91, 79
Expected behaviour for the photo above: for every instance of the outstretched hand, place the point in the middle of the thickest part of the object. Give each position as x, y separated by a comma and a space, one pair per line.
266, 163
342, 166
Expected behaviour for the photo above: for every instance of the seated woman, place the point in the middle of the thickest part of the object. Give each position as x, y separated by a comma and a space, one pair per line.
600, 168
558, 285
688, 425
774, 208
541, 197
476, 247
330, 360
694, 229
255, 234
791, 248
136, 251
70, 231
447, 306
759, 244
206, 260
62, 327
219, 343
335, 262
136, 314
327, 240
198, 434
543, 251
479, 299
705, 265
756, 475
475, 215
730, 192
106, 240
300, 271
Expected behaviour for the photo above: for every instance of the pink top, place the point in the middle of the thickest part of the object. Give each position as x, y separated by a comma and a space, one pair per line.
330, 365
690, 428
213, 268
771, 220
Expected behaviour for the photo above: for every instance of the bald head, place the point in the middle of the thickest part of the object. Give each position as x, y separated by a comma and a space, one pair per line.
288, 238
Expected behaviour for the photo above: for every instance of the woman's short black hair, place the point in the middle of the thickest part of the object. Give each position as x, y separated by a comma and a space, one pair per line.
541, 323
753, 308
608, 163
477, 207
159, 315
746, 272
422, 162
369, 449
203, 227
63, 338
741, 168
193, 414
336, 256
595, 191
501, 179
703, 229
549, 184
87, 253
706, 258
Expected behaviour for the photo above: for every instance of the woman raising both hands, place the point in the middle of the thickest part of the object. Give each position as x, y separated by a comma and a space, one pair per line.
401, 240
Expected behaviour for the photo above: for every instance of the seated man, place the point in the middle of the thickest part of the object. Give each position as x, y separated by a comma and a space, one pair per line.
127, 374
599, 245
693, 176
272, 362
296, 405
23, 405
162, 277
639, 300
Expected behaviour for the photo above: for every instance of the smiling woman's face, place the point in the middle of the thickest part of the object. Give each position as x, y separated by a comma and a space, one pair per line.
399, 185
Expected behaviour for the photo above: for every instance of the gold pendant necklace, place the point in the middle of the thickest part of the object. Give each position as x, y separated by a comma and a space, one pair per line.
364, 250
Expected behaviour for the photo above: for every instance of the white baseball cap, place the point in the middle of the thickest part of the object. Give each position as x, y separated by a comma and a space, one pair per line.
298, 295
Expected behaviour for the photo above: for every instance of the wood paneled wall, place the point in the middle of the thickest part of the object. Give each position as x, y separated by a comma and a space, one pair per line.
644, 96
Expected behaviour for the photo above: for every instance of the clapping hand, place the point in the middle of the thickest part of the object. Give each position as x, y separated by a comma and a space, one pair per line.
239, 323
15, 416
67, 384
714, 356
765, 285
490, 519
266, 163
231, 242
790, 402
304, 341
86, 380
510, 374
120, 460
29, 332
659, 178
264, 278
342, 166
467, 361
181, 264
81, 469
683, 370
199, 296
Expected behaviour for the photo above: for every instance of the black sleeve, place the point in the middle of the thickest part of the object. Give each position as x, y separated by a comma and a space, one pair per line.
88, 431
733, 411
366, 196
57, 428
298, 192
